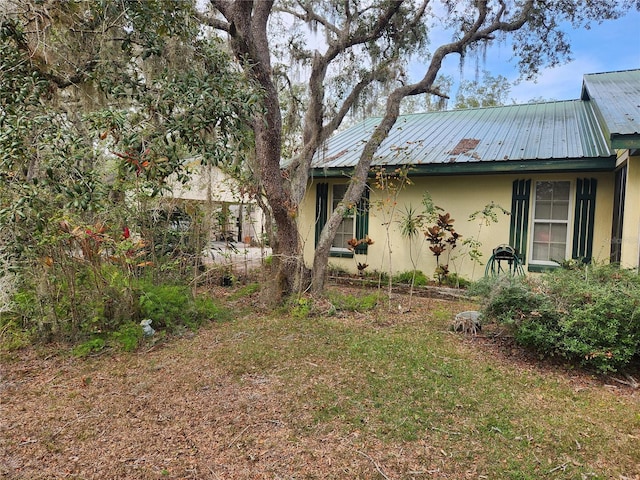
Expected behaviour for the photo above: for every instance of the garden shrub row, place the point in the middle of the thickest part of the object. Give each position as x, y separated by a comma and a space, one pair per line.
587, 315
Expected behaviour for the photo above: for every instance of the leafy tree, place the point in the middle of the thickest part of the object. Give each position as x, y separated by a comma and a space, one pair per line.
102, 106
362, 49
491, 92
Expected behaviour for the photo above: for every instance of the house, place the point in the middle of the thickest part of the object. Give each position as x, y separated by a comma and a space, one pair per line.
568, 172
234, 215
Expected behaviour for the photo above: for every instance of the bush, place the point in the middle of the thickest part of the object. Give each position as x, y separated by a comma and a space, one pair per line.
455, 281
589, 316
172, 306
128, 336
418, 278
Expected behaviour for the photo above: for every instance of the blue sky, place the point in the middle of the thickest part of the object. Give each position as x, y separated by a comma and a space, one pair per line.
610, 46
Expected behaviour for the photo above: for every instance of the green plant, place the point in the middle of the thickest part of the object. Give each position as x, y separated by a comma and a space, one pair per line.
354, 303
390, 183
412, 277
453, 280
128, 336
245, 291
168, 306
12, 335
471, 245
302, 307
589, 317
84, 349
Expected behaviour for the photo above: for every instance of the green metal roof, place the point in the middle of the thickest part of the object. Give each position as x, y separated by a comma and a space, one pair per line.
550, 136
616, 100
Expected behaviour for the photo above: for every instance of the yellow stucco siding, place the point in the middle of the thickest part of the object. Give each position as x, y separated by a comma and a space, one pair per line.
460, 196
630, 248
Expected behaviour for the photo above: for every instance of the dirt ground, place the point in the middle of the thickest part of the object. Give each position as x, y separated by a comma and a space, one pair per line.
172, 412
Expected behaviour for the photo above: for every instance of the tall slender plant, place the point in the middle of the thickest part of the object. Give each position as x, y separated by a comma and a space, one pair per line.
411, 224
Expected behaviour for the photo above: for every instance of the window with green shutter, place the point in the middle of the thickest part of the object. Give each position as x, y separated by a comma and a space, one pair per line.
551, 221
355, 223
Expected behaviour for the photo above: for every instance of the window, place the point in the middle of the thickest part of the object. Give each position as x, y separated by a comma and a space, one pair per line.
355, 224
550, 222
347, 229
559, 209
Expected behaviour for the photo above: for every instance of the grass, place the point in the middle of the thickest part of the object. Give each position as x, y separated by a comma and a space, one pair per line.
382, 395
416, 380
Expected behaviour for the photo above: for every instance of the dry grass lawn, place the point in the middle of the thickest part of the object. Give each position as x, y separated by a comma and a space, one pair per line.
353, 395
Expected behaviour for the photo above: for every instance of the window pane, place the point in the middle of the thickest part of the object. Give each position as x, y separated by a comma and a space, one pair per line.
557, 252
541, 232
558, 233
552, 200
544, 191
346, 230
543, 210
560, 211
540, 251
541, 237
561, 191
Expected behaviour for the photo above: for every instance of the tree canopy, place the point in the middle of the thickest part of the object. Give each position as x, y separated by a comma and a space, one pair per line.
103, 105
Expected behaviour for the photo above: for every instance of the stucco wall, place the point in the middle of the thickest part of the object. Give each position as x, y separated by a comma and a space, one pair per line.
460, 196
630, 248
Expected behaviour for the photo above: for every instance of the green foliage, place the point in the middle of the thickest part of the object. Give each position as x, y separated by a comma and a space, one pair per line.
491, 92
454, 280
166, 305
590, 316
414, 277
301, 308
128, 336
173, 306
84, 349
352, 303
12, 335
86, 147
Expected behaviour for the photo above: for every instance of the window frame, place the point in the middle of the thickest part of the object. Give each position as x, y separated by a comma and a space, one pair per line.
569, 222
341, 251
324, 208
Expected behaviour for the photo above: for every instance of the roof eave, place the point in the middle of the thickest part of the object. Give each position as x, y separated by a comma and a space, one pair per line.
596, 164
625, 142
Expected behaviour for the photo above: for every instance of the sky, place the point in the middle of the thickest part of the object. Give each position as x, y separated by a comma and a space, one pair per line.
611, 46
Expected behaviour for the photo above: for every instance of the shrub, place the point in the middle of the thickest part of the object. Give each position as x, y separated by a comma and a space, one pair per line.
128, 336
165, 305
589, 316
455, 281
418, 278
172, 306
90, 346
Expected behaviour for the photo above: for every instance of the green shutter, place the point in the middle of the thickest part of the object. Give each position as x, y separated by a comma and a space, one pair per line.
584, 218
520, 217
322, 208
362, 220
